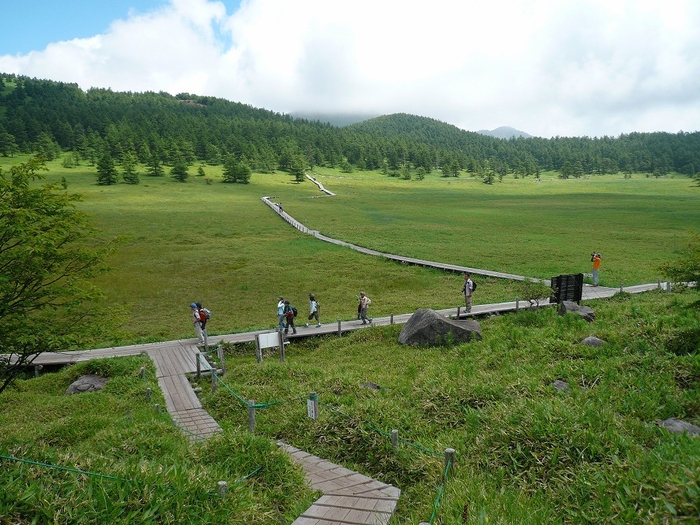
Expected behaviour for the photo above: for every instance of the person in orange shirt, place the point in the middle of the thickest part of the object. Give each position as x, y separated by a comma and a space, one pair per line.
595, 259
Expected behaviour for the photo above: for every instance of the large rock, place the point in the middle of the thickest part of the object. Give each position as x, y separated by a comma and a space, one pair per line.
89, 383
427, 327
593, 341
585, 312
678, 426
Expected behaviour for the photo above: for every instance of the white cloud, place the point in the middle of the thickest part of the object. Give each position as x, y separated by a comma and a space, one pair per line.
544, 66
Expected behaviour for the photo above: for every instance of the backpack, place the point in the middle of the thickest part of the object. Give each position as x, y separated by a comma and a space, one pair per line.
204, 315
473, 287
294, 310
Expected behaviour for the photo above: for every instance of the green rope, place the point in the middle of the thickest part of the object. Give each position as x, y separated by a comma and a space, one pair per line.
219, 380
440, 491
248, 475
67, 469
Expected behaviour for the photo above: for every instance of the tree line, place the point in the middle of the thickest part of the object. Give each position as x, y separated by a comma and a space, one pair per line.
103, 127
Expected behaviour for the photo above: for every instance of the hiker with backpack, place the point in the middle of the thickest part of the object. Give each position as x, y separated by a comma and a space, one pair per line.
313, 311
197, 321
289, 314
204, 316
468, 291
363, 306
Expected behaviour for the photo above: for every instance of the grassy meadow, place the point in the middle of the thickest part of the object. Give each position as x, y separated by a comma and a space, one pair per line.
527, 452
219, 244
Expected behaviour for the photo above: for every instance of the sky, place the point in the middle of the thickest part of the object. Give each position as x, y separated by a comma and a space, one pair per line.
546, 67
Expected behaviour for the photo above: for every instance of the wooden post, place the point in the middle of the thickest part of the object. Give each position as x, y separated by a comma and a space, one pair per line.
37, 370
340, 332
391, 320
258, 350
395, 438
312, 405
199, 365
223, 488
143, 372
621, 288
668, 286
213, 382
281, 339
517, 304
148, 394
449, 457
157, 407
458, 308
220, 353
659, 284
251, 415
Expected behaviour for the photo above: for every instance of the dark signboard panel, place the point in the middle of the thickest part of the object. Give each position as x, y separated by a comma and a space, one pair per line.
567, 288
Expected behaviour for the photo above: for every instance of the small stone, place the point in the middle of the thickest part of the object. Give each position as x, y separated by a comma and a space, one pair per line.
593, 341
561, 385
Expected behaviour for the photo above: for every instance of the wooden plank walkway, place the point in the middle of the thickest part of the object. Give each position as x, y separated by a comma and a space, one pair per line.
172, 363
348, 497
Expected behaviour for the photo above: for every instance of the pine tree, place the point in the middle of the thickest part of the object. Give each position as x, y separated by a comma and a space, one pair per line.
106, 171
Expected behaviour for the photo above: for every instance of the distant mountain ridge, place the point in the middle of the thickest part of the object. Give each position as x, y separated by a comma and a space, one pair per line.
334, 119
505, 132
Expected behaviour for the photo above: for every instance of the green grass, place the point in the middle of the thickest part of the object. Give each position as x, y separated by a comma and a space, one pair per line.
526, 452
110, 457
221, 245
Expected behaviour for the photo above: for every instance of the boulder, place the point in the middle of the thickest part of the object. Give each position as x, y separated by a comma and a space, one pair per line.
585, 312
593, 341
427, 327
678, 426
89, 383
561, 385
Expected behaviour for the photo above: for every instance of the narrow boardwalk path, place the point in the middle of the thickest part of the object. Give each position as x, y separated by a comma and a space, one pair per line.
172, 363
348, 497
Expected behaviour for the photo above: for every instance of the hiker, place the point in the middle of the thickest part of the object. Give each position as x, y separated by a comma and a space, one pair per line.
468, 290
313, 311
289, 314
204, 316
364, 305
197, 323
280, 313
595, 259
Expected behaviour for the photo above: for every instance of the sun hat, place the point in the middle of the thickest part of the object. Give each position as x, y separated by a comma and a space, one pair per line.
193, 305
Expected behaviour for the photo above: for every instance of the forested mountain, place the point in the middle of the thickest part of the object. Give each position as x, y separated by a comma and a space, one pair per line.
48, 117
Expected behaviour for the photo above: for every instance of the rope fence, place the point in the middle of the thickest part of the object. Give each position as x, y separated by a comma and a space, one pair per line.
312, 406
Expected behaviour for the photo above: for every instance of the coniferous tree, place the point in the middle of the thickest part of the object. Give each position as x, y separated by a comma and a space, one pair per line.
129, 173
179, 171
155, 166
106, 171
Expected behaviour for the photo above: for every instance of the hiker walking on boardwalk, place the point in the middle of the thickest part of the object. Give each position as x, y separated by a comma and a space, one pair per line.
313, 311
364, 305
204, 316
468, 291
197, 323
289, 314
595, 259
280, 313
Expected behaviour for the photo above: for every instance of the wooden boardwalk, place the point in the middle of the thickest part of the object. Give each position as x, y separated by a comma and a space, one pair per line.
172, 363
348, 497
